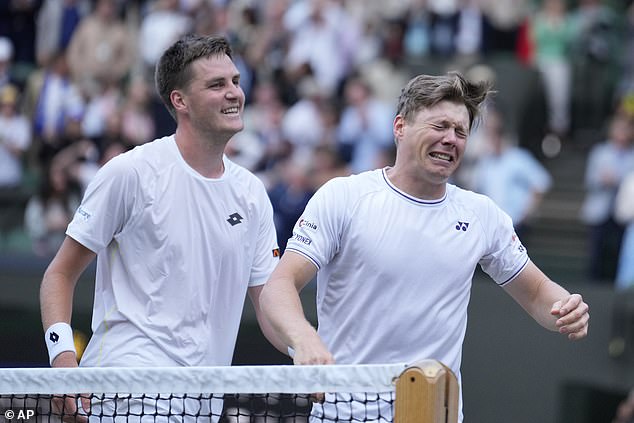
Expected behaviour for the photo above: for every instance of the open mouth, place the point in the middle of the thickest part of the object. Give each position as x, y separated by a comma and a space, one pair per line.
231, 110
441, 156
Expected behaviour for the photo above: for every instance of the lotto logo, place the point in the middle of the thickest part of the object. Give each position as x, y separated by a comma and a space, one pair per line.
235, 219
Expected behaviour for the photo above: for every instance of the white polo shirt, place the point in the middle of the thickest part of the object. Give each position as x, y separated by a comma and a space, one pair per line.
176, 253
395, 271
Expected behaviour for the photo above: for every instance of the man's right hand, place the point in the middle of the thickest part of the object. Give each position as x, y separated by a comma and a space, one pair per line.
66, 406
312, 350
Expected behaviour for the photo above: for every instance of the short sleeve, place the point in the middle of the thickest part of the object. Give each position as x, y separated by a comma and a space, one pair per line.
267, 251
107, 205
317, 233
506, 256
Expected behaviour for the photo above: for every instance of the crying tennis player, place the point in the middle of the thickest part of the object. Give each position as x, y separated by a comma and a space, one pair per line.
395, 251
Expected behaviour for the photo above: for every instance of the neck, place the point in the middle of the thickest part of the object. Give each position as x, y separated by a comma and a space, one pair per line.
202, 155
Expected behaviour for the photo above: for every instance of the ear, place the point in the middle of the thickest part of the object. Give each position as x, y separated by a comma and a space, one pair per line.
178, 100
398, 128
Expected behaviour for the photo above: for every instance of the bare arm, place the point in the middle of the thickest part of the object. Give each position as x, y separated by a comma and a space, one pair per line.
270, 334
282, 306
57, 289
549, 304
56, 305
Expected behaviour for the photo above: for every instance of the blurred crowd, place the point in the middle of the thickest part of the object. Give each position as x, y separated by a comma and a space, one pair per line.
321, 78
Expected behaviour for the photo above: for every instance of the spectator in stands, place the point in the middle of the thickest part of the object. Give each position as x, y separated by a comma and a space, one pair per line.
327, 163
365, 127
289, 195
508, 174
264, 116
608, 163
322, 42
7, 76
137, 123
473, 26
596, 55
57, 21
506, 18
100, 105
394, 251
50, 210
163, 24
553, 32
416, 38
15, 138
18, 23
54, 105
267, 49
443, 28
624, 215
102, 50
302, 124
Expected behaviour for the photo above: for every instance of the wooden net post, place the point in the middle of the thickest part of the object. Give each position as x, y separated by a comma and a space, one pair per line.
426, 392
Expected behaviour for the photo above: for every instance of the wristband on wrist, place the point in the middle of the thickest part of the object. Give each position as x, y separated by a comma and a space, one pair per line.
59, 338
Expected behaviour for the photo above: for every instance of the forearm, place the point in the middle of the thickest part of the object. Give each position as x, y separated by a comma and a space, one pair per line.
265, 326
56, 298
537, 294
282, 307
60, 278
548, 293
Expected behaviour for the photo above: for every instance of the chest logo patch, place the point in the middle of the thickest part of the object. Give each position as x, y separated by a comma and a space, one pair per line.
235, 219
462, 226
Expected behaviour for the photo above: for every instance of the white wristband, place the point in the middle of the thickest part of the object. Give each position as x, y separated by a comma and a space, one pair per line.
59, 338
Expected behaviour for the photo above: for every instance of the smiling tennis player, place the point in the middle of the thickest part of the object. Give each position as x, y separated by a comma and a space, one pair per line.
180, 232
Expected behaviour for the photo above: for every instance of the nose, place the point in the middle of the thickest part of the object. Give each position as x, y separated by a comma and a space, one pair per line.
234, 91
450, 137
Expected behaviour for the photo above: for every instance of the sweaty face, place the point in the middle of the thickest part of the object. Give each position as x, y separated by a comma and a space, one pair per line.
430, 147
214, 98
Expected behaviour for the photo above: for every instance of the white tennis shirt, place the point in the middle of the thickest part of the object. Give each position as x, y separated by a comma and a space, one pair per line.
175, 255
395, 272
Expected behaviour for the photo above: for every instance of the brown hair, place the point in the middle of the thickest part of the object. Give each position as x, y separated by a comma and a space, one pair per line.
424, 91
173, 70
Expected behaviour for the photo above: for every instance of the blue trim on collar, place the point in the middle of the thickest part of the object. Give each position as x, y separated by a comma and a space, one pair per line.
409, 197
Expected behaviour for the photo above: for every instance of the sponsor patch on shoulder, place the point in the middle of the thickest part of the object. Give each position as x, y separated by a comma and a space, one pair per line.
83, 213
307, 224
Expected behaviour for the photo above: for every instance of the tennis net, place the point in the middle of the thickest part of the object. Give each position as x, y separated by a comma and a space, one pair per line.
425, 392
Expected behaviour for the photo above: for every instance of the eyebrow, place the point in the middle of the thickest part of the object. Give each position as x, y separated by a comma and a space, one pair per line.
444, 120
222, 78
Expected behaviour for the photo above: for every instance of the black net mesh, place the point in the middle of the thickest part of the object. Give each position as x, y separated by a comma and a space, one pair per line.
185, 408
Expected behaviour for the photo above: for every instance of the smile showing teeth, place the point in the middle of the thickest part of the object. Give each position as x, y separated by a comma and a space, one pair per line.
230, 110
441, 156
